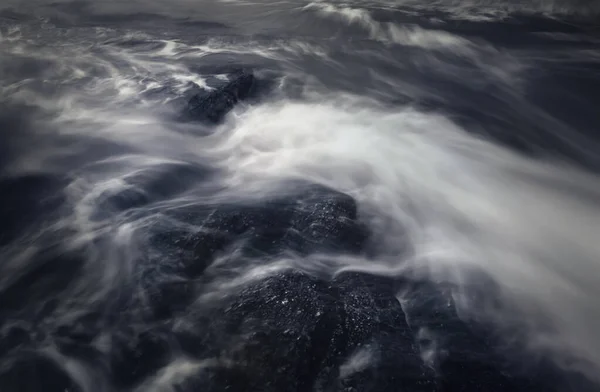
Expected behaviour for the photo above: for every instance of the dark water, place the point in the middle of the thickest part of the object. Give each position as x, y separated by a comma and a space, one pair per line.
299, 196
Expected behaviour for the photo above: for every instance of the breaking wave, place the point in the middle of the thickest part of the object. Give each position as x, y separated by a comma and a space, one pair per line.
403, 202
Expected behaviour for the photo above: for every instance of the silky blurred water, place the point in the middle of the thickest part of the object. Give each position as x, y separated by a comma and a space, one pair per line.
463, 132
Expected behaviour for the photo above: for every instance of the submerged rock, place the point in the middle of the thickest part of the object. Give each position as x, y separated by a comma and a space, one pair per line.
314, 219
212, 107
287, 330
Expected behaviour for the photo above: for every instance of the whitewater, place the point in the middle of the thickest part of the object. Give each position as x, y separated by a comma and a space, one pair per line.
410, 202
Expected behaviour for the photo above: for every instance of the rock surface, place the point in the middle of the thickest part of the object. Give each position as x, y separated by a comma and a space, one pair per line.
211, 107
287, 331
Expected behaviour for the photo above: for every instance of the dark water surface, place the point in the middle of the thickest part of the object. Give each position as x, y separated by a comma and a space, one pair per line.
235, 195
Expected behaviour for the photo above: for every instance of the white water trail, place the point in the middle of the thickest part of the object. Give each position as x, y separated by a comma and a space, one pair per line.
466, 206
390, 32
441, 203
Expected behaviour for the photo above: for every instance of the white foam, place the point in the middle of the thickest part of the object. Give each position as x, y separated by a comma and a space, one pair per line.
361, 359
176, 373
484, 10
466, 205
390, 32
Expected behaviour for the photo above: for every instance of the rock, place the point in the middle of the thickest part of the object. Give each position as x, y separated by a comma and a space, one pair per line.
467, 355
212, 107
294, 332
293, 315
380, 352
149, 185
314, 219
291, 331
325, 221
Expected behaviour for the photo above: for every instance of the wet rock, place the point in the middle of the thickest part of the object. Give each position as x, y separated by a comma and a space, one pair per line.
294, 332
150, 185
288, 332
314, 219
380, 352
212, 107
275, 335
468, 355
325, 221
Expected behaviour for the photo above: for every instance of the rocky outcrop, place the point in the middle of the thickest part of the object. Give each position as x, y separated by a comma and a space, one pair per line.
211, 107
177, 320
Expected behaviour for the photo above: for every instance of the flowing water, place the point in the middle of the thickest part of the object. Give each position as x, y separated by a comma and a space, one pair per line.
406, 160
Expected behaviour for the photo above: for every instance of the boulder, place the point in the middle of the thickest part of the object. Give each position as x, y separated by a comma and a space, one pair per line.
291, 331
211, 107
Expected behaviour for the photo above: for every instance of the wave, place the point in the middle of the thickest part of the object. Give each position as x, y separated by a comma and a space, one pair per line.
443, 205
170, 248
388, 31
464, 205
485, 10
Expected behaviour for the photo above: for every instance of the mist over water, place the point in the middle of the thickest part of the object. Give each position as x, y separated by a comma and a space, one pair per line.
409, 201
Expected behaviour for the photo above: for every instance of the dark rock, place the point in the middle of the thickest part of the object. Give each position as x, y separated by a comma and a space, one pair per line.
380, 351
212, 107
275, 335
293, 332
469, 355
150, 185
314, 219
325, 221
297, 318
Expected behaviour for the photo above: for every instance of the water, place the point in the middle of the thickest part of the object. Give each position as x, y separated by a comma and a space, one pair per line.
409, 204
